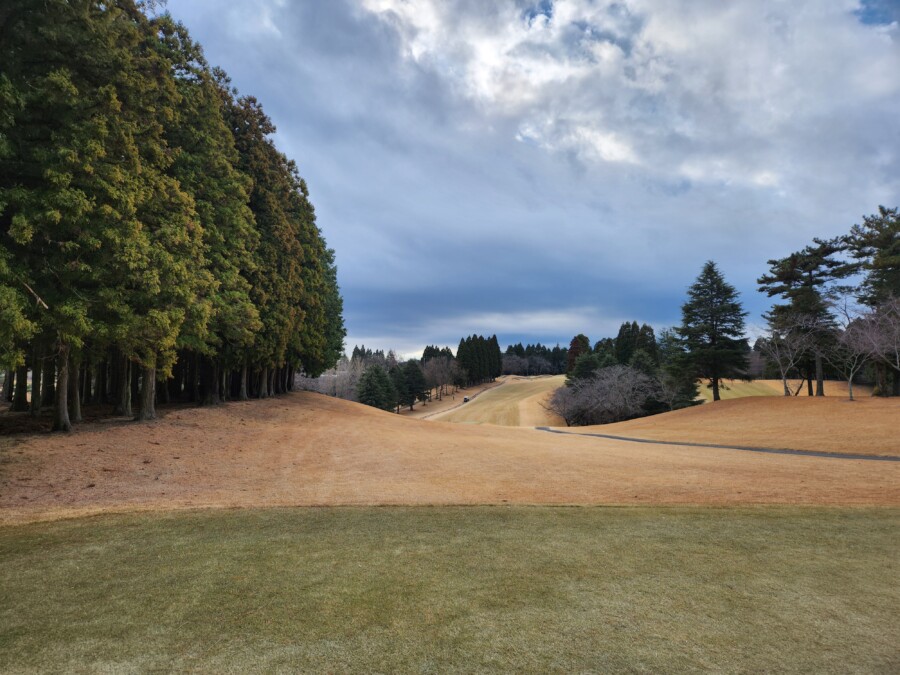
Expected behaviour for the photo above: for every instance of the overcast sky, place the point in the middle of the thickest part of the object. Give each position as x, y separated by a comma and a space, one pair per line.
539, 169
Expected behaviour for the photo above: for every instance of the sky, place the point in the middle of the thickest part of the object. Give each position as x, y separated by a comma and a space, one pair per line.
541, 169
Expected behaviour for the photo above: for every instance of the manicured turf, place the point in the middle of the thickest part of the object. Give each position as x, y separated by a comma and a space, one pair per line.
455, 589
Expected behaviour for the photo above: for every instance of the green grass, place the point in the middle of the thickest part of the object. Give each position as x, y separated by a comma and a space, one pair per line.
454, 589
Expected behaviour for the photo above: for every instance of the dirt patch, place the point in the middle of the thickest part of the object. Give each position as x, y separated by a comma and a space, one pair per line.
308, 449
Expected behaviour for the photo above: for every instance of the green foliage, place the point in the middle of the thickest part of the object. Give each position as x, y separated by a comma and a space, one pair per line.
404, 395
147, 207
376, 389
585, 366
15, 328
712, 328
676, 375
876, 246
479, 359
643, 362
417, 389
579, 345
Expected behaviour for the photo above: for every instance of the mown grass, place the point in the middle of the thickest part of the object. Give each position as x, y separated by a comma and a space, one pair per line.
454, 589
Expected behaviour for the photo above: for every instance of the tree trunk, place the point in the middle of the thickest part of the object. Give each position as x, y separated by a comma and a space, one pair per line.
272, 381
263, 383
787, 389
850, 387
163, 393
242, 394
715, 388
135, 383
224, 393
210, 382
36, 379
87, 389
74, 393
20, 400
147, 410
809, 387
8, 383
881, 388
194, 375
102, 393
820, 376
48, 384
895, 388
123, 387
61, 421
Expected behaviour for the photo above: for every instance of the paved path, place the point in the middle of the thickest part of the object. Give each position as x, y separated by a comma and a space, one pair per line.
774, 451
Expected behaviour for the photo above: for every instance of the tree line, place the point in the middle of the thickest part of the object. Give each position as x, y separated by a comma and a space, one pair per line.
385, 381
155, 245
536, 359
826, 325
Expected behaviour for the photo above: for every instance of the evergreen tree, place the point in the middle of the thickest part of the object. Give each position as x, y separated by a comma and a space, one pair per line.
876, 247
579, 345
404, 397
626, 341
642, 361
376, 389
801, 278
713, 328
585, 366
415, 383
676, 371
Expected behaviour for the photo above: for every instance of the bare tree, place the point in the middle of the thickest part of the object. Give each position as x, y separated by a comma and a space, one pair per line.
514, 365
566, 403
884, 338
538, 365
439, 374
609, 395
851, 346
788, 344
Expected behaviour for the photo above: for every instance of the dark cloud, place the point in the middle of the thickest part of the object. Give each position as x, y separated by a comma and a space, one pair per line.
543, 168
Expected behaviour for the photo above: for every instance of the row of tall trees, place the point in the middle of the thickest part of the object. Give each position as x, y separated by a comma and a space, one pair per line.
480, 359
154, 243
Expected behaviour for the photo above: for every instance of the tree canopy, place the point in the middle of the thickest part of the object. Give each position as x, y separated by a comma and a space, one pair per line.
149, 228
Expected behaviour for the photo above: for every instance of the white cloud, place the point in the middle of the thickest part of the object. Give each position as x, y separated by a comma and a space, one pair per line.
715, 92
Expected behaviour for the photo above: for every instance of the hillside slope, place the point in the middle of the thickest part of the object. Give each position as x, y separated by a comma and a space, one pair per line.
308, 449
830, 424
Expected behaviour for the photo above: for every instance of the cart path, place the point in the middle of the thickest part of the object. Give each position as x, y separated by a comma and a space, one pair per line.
773, 451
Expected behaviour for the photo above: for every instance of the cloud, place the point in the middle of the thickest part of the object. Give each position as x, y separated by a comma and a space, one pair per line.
484, 160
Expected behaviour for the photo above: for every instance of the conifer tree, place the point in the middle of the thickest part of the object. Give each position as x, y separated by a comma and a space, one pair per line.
800, 278
579, 345
416, 387
875, 244
713, 329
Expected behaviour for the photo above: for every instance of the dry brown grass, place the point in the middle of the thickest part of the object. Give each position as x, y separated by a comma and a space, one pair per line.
517, 402
308, 449
832, 388
864, 426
